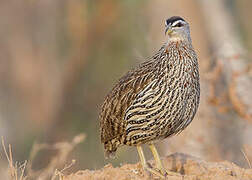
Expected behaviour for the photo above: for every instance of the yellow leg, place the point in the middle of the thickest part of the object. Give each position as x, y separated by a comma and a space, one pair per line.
145, 165
159, 163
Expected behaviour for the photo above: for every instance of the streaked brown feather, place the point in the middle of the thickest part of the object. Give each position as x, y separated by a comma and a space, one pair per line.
157, 99
120, 98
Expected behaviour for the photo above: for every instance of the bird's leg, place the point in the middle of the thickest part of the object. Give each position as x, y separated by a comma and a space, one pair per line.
159, 162
145, 165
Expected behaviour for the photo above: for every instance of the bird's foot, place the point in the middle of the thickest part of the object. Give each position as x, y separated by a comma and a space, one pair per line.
166, 172
162, 173
152, 171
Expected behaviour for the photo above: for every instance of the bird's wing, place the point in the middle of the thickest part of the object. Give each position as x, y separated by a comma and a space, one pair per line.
120, 98
146, 110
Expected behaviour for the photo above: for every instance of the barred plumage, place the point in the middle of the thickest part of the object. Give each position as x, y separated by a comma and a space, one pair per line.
157, 99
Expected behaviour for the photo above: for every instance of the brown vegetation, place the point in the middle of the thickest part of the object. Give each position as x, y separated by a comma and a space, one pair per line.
25, 171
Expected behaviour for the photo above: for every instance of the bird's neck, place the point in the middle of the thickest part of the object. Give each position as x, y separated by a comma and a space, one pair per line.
179, 40
170, 47
175, 44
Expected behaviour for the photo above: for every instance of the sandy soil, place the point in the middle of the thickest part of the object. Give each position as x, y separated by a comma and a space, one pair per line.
186, 166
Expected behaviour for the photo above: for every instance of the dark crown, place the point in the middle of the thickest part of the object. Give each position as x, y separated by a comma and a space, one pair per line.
172, 19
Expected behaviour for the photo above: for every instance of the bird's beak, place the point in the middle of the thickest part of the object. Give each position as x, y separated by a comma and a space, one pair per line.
168, 30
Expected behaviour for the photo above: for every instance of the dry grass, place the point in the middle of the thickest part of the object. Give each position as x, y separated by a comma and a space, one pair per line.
245, 154
15, 172
186, 166
24, 171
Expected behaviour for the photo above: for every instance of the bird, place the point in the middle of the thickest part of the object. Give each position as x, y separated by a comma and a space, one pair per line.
155, 100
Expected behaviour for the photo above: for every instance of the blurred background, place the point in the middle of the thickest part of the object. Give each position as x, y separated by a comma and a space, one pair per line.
59, 59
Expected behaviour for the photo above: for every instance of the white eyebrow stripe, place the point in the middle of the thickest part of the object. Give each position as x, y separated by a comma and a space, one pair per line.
178, 21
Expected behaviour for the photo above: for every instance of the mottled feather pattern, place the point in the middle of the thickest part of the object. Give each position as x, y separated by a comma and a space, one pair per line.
157, 99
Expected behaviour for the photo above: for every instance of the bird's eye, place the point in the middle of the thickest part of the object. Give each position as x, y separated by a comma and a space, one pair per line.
179, 24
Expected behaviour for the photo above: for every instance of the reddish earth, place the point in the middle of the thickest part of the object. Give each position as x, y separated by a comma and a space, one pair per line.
187, 167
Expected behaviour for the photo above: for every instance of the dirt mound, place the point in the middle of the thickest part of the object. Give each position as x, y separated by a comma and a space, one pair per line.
187, 167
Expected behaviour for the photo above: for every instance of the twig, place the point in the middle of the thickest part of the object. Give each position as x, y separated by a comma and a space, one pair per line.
246, 158
12, 169
6, 154
22, 167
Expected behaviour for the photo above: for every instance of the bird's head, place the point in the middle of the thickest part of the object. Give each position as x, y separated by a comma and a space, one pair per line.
177, 29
